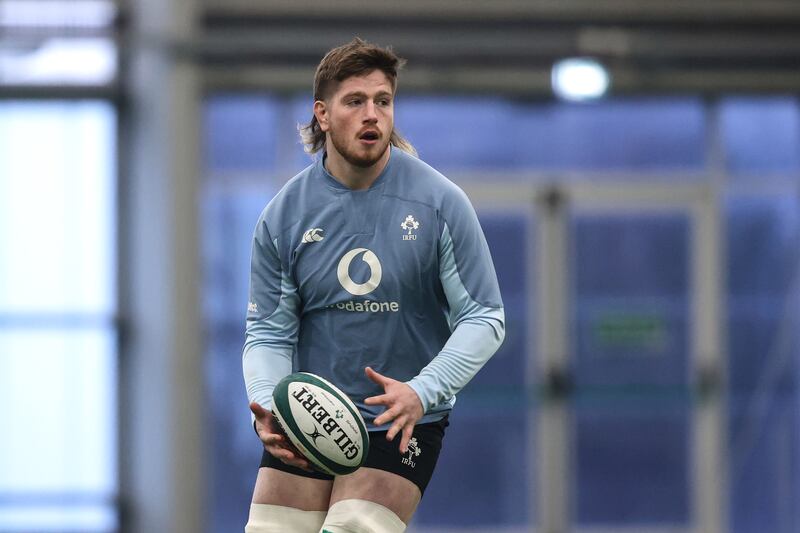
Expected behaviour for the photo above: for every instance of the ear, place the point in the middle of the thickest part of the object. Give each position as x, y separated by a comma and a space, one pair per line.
321, 112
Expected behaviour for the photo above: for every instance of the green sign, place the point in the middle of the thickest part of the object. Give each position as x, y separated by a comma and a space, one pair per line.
631, 331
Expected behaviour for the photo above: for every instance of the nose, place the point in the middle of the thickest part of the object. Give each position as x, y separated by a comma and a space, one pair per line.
370, 112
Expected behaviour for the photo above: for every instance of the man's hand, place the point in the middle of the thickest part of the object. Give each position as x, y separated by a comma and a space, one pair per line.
403, 406
275, 442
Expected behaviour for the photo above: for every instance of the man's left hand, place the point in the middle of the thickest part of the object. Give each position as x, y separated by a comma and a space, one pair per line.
403, 407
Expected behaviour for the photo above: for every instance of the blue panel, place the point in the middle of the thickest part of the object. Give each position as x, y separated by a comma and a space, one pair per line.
625, 256
761, 135
229, 216
493, 133
632, 464
632, 399
631, 277
235, 451
614, 135
764, 238
764, 340
240, 133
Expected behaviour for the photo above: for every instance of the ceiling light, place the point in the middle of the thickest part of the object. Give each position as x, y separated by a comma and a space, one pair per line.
580, 79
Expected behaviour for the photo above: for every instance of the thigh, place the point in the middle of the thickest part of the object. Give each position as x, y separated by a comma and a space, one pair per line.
396, 493
394, 480
289, 490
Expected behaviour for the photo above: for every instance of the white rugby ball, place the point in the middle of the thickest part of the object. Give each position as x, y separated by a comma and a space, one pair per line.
322, 422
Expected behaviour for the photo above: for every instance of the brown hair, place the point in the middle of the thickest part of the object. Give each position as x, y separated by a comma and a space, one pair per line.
355, 58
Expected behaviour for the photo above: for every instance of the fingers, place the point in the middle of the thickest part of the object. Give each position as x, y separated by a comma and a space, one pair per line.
285, 451
272, 439
408, 431
289, 457
397, 427
386, 416
377, 378
383, 399
257, 410
276, 444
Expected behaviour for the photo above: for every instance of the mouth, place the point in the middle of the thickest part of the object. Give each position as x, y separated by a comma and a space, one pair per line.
369, 137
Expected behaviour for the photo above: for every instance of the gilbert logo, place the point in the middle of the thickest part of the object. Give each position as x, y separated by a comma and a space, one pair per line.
343, 272
314, 434
409, 224
312, 406
413, 451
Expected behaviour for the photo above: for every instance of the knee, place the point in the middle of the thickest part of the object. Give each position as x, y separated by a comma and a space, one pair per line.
361, 516
266, 518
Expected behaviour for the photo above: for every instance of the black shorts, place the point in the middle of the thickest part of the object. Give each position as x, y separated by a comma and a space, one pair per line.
416, 465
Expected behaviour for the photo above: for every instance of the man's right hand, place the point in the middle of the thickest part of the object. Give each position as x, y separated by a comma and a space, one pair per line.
275, 442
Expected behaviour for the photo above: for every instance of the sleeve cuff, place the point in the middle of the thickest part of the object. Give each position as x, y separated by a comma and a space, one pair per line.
420, 390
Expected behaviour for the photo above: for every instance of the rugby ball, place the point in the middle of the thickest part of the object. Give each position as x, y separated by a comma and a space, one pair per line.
322, 422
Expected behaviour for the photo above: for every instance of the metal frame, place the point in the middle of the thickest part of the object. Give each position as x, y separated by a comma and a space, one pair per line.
550, 352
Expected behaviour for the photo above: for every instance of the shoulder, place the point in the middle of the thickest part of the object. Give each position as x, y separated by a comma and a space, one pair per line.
298, 196
418, 181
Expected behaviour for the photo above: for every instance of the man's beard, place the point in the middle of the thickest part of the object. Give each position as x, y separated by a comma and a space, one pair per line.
351, 157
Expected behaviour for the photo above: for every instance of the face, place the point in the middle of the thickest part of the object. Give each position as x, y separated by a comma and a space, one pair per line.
359, 118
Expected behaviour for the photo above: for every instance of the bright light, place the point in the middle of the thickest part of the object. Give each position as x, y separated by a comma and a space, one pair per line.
60, 60
580, 79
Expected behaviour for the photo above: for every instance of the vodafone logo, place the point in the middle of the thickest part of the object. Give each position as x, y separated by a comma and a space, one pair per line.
343, 272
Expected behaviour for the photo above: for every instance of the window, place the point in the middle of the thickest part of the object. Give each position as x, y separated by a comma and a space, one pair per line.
58, 449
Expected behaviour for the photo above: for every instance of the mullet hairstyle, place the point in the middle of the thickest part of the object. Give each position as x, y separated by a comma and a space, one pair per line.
356, 58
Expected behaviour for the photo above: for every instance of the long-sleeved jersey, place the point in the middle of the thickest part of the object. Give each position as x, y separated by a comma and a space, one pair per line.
397, 277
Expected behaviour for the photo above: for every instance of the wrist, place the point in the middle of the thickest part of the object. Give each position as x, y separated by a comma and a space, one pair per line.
418, 396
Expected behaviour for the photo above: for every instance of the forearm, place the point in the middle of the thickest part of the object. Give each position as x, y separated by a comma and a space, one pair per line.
272, 321
472, 343
263, 366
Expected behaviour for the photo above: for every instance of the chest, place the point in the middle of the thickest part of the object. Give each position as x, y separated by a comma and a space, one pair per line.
372, 247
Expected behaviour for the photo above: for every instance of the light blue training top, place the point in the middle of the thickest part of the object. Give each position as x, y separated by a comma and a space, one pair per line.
397, 277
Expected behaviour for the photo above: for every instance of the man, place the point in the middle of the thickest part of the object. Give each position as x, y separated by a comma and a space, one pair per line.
370, 269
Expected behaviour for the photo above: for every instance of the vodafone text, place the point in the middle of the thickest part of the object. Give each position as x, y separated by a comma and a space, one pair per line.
367, 306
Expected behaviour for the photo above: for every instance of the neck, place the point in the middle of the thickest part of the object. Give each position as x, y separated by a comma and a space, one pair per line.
352, 176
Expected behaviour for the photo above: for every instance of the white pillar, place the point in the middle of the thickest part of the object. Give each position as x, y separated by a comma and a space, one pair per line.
162, 434
710, 457
554, 425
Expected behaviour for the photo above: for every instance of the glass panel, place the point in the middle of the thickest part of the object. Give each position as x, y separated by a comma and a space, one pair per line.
241, 133
764, 340
761, 136
83, 518
468, 133
57, 167
229, 211
60, 435
632, 418
482, 478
